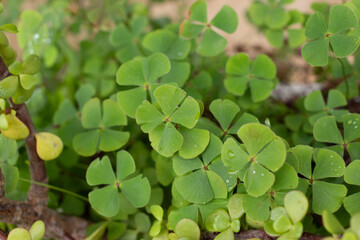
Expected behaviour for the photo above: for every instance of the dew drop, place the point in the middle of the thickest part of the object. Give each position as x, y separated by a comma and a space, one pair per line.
331, 156
254, 172
195, 145
227, 181
262, 174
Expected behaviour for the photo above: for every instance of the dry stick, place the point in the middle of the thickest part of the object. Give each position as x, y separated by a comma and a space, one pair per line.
37, 195
35, 208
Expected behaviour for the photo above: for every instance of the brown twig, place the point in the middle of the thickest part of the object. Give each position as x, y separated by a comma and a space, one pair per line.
57, 226
37, 194
35, 208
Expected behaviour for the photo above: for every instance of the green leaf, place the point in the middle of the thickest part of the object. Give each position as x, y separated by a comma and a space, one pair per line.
260, 89
211, 44
226, 235
112, 114
327, 196
9, 86
258, 13
65, 112
111, 140
158, 65
224, 111
351, 203
11, 177
314, 102
105, 200
125, 165
187, 228
31, 65
282, 224
277, 18
343, 46
351, 124
233, 156
238, 64
100, 172
137, 190
187, 114
326, 130
328, 164
336, 99
169, 97
148, 117
137, 96
91, 114
351, 175
131, 73
28, 81
166, 140
190, 30
296, 205
255, 136
273, 155
315, 26
285, 178
258, 180
189, 187
316, 52
157, 212
217, 184
37, 230
86, 143
235, 206
264, 67
159, 41
236, 85
331, 224
275, 37
257, 208
296, 37
11, 28
19, 233
218, 221
142, 222
189, 212
182, 166
226, 19
347, 16
195, 142
198, 11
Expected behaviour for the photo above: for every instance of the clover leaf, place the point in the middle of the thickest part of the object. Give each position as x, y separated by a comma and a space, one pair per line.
314, 103
106, 200
176, 49
326, 130
258, 75
351, 176
100, 75
99, 123
211, 43
142, 73
333, 35
262, 154
272, 15
325, 195
203, 178
127, 38
170, 121
226, 222
186, 229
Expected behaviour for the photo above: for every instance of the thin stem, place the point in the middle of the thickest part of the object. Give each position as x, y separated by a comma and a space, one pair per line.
345, 77
55, 188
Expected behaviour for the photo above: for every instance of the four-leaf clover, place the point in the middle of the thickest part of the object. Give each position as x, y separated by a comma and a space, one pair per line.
170, 122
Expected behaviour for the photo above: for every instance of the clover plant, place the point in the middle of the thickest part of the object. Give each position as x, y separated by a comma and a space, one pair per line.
116, 123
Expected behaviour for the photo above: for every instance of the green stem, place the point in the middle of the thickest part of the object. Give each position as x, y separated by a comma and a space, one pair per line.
55, 188
345, 77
